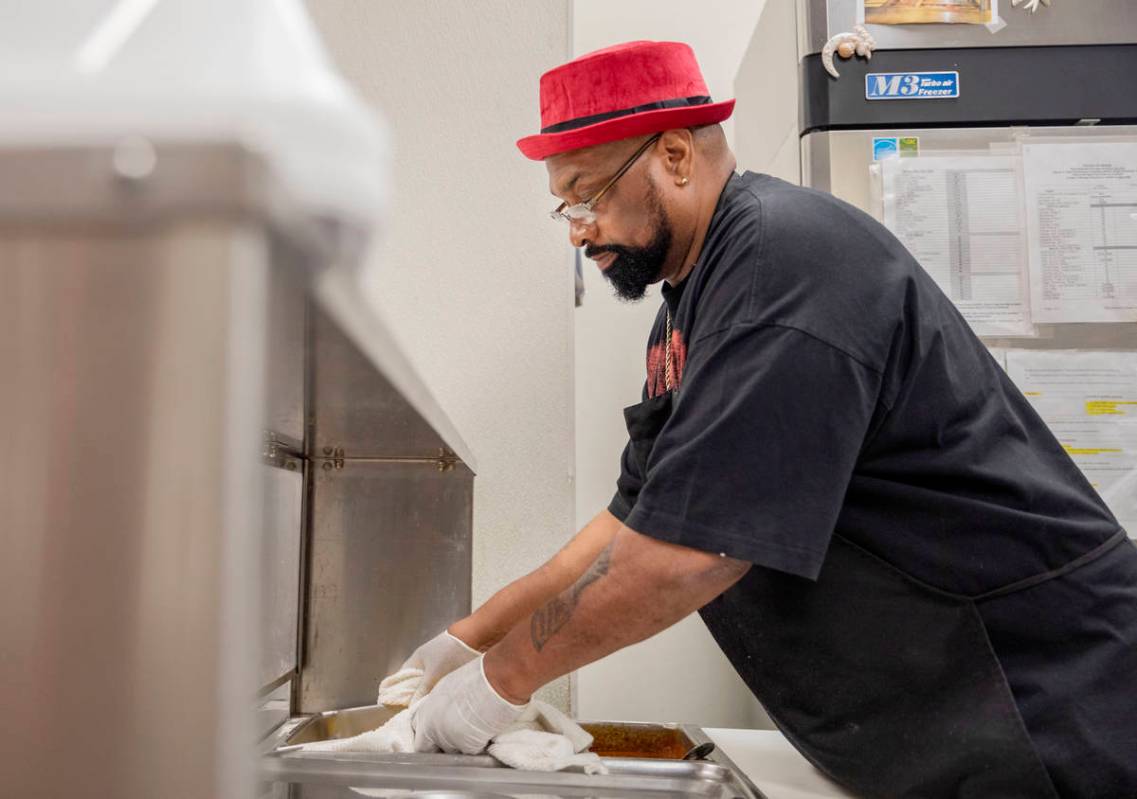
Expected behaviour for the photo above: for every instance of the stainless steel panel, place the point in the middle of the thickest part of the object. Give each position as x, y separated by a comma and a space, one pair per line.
1070, 22
282, 790
388, 567
280, 561
132, 397
222, 181
284, 367
355, 409
839, 162
815, 165
273, 709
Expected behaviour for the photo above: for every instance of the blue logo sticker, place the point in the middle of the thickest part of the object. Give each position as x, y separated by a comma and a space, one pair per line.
911, 85
885, 147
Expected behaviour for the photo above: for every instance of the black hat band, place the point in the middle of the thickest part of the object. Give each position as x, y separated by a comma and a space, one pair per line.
581, 122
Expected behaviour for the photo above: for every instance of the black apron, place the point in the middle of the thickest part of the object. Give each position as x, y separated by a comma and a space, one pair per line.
887, 685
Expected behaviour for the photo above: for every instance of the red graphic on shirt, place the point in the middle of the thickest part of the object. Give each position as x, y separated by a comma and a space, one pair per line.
656, 360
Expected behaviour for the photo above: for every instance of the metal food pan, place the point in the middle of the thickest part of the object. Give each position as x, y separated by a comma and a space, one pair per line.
643, 762
312, 776
335, 724
612, 739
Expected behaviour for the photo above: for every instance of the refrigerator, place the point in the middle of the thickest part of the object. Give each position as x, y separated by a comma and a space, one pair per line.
1001, 148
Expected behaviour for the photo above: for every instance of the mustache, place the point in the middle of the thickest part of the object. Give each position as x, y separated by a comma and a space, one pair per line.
592, 251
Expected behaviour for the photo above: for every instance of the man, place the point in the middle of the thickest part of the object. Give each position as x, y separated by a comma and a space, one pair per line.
889, 545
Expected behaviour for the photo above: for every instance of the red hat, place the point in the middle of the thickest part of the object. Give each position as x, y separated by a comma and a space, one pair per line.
619, 92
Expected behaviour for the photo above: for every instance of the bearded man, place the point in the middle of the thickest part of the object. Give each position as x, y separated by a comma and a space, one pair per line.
886, 541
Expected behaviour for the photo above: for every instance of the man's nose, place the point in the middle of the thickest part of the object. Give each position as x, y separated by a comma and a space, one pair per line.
578, 233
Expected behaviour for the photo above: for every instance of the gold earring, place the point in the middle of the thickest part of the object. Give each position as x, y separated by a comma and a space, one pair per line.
682, 181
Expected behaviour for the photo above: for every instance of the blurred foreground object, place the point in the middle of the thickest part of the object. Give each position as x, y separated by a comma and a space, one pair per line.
172, 172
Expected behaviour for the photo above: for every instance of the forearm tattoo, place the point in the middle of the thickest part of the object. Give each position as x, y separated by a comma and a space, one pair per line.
547, 621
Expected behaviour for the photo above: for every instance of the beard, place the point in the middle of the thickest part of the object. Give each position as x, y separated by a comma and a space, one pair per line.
636, 268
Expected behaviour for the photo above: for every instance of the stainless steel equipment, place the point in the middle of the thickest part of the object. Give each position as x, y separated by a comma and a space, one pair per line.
391, 514
610, 739
474, 776
199, 404
642, 759
1055, 68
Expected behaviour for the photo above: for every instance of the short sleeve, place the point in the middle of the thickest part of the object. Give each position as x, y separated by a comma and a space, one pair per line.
757, 455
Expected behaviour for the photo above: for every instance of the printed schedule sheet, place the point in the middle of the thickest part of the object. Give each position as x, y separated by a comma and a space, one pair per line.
961, 218
1081, 207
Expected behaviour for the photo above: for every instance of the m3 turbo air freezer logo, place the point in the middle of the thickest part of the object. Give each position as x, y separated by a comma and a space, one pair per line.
911, 85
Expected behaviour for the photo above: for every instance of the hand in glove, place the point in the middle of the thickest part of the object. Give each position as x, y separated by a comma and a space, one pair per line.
463, 713
424, 668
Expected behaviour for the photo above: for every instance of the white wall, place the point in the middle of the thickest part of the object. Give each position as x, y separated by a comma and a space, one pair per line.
472, 276
679, 675
766, 116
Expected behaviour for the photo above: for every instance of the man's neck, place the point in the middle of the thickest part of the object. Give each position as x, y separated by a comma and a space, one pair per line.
708, 203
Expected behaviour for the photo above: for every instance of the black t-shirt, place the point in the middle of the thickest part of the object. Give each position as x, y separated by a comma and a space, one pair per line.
826, 384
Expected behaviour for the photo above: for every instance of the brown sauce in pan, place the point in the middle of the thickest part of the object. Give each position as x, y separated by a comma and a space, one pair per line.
616, 740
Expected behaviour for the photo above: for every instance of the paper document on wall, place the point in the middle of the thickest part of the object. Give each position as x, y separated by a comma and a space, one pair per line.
1081, 201
961, 217
1089, 401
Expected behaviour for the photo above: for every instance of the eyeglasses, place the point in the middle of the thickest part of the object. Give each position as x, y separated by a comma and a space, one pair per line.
582, 213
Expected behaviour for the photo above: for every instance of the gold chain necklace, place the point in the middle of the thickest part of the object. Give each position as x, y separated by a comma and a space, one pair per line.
667, 355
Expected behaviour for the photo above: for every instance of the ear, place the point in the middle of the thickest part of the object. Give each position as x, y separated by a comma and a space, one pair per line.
678, 147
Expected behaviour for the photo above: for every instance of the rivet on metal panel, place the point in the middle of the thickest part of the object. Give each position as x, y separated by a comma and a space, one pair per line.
446, 460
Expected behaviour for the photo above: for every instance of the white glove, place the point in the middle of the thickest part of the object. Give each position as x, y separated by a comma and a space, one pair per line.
427, 665
463, 713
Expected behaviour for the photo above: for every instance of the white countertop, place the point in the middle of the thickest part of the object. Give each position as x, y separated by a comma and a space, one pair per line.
774, 766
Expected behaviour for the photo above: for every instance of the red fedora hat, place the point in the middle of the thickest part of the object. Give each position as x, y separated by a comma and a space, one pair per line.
627, 90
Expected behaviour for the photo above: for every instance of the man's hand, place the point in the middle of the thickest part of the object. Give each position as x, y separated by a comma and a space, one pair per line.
463, 713
435, 659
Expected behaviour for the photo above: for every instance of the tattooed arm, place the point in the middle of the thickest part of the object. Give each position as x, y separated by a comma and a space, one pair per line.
635, 588
514, 603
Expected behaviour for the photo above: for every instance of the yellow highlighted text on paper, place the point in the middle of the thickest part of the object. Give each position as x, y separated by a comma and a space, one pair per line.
1089, 450
1110, 407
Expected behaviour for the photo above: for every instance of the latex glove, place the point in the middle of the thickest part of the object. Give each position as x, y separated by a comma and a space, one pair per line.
463, 713
428, 664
